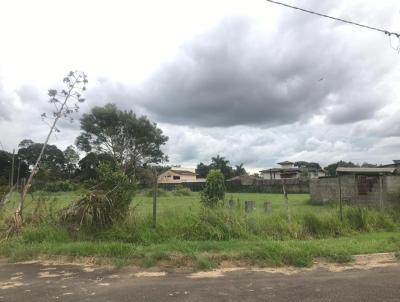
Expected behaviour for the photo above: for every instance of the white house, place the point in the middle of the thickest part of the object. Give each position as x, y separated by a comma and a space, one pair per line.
288, 170
177, 176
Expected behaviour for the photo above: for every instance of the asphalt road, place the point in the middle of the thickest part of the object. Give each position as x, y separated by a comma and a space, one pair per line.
34, 282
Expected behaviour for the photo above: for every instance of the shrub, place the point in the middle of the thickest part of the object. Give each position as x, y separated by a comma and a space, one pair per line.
214, 190
108, 204
60, 186
160, 192
181, 191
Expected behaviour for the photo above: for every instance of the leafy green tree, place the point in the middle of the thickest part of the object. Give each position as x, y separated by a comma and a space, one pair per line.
88, 165
71, 157
214, 190
5, 168
52, 160
307, 165
239, 170
332, 167
132, 141
202, 170
222, 164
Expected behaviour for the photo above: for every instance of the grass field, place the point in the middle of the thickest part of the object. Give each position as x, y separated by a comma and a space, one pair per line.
188, 234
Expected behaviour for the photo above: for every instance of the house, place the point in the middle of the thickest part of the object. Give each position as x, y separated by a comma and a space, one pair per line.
178, 176
366, 186
288, 170
395, 164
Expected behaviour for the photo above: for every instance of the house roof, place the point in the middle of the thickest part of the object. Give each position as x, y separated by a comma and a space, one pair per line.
183, 172
294, 169
365, 170
286, 162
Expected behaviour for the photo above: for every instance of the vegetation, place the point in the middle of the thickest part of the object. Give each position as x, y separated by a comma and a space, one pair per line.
130, 140
189, 233
222, 164
214, 191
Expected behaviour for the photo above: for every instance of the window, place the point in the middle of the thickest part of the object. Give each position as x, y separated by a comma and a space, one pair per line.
176, 177
362, 184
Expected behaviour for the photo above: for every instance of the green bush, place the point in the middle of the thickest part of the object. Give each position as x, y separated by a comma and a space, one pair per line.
214, 190
181, 191
105, 206
160, 192
60, 186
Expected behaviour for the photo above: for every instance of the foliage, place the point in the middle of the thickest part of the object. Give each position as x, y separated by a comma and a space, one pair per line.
239, 170
222, 164
332, 167
60, 186
202, 170
131, 141
105, 206
181, 191
71, 157
214, 190
88, 166
5, 167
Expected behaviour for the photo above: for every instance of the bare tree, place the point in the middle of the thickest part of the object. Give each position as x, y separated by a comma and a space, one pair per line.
65, 103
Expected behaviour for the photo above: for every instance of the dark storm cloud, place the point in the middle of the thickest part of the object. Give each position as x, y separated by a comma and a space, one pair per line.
239, 74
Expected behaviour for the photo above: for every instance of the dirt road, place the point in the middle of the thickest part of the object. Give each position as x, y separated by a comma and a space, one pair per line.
34, 282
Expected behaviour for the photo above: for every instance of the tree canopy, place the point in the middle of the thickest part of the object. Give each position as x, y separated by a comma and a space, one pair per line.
130, 140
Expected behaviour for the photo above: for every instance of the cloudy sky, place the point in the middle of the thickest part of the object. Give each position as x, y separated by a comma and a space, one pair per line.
249, 80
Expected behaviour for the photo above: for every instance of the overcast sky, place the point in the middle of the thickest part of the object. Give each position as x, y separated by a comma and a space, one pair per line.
249, 80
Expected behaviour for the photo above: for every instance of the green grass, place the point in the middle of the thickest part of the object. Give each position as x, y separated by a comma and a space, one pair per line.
188, 234
208, 254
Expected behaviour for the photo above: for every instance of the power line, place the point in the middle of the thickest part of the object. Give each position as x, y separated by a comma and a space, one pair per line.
386, 32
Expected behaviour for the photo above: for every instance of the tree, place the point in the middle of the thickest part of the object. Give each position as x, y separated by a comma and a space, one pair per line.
202, 170
214, 190
132, 141
332, 167
65, 103
222, 164
91, 162
239, 170
5, 168
71, 159
52, 157
307, 165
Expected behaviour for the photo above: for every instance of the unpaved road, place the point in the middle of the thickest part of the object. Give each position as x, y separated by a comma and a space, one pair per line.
34, 282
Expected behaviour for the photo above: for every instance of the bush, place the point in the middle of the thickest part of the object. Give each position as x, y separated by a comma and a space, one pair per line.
181, 191
60, 186
105, 206
160, 192
214, 190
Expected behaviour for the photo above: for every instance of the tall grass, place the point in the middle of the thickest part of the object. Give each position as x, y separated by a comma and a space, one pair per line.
201, 235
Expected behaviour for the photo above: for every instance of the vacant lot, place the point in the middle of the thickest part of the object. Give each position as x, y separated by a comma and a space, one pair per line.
188, 234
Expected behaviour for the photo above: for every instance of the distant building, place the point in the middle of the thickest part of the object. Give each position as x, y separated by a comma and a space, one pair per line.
179, 175
363, 186
288, 170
